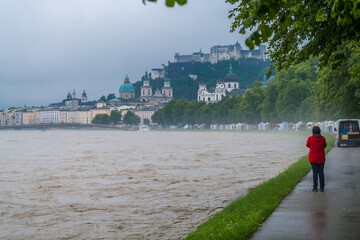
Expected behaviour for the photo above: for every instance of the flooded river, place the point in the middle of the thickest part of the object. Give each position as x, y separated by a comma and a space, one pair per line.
105, 184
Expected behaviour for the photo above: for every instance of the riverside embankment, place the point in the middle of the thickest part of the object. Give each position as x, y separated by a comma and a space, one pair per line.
241, 218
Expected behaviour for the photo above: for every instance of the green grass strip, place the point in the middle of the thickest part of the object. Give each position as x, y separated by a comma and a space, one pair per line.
241, 218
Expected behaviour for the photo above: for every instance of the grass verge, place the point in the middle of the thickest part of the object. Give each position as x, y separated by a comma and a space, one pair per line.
241, 218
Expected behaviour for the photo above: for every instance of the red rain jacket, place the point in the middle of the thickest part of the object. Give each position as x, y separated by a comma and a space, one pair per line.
317, 144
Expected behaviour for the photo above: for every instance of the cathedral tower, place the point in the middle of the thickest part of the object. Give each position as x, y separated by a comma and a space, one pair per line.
167, 91
146, 90
84, 97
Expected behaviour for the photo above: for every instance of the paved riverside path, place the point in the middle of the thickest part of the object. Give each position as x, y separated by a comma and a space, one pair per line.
333, 214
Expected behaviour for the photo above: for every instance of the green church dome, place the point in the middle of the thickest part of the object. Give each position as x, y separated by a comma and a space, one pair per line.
126, 86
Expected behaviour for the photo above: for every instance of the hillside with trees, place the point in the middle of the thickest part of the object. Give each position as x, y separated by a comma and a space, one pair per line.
297, 94
248, 71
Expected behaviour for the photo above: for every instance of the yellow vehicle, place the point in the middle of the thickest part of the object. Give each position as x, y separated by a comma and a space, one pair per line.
348, 132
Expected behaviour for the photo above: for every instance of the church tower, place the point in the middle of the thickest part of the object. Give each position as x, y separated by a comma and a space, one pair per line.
84, 97
146, 90
74, 94
167, 91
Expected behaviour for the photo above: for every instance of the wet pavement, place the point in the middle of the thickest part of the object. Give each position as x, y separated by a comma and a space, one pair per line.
333, 214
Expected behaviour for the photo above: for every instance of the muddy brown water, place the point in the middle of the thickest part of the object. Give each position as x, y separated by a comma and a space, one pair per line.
88, 184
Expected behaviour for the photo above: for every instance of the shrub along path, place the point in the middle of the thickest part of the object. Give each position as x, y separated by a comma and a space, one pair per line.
241, 218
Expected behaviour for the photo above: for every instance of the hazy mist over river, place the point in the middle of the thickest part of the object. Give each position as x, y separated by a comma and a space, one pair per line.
91, 184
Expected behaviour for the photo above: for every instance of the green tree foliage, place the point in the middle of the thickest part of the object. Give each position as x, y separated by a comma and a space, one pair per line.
338, 87
184, 87
115, 117
131, 119
290, 98
146, 121
250, 107
169, 3
183, 111
268, 109
297, 30
110, 96
101, 119
294, 86
103, 98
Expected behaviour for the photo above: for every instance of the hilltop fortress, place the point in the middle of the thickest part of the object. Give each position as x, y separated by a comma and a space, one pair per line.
220, 53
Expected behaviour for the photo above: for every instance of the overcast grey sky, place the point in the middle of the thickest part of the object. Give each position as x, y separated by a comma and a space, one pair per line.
48, 47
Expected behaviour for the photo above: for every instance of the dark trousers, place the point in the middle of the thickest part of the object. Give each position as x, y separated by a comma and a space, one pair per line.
318, 170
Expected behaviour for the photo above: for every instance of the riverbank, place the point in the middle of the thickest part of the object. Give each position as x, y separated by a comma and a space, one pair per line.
241, 218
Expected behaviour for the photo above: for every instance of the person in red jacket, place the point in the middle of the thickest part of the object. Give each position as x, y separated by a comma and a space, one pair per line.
317, 145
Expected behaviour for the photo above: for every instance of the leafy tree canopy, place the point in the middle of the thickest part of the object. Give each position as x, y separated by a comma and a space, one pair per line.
110, 96
169, 3
338, 87
101, 119
146, 121
115, 117
297, 30
103, 98
131, 119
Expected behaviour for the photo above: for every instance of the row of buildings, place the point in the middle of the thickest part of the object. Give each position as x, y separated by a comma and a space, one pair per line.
32, 116
80, 110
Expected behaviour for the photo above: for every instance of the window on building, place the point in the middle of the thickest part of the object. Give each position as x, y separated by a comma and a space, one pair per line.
209, 99
229, 85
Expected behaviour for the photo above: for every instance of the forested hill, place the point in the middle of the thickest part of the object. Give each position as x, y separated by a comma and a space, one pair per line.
248, 71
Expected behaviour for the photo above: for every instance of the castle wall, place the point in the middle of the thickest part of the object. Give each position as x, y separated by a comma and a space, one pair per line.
221, 53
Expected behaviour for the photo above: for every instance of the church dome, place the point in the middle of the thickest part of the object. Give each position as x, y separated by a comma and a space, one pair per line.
126, 86
231, 77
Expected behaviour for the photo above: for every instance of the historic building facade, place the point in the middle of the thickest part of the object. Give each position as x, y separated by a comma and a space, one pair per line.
160, 96
229, 86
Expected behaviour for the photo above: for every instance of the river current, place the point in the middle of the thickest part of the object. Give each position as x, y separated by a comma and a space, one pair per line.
106, 184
